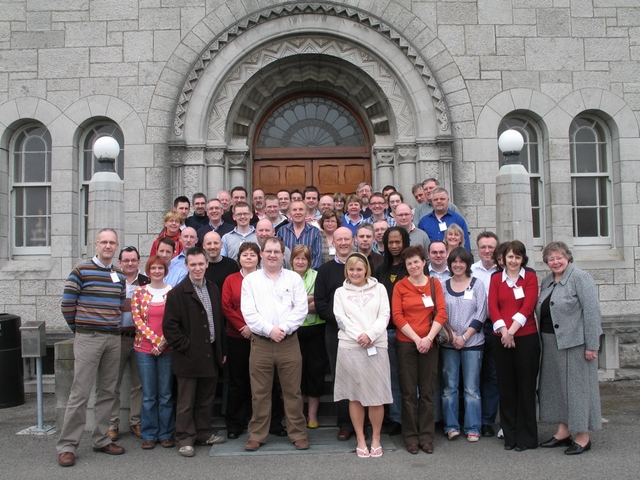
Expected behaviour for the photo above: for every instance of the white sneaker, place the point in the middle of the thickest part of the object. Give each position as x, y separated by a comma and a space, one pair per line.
453, 434
187, 451
500, 434
215, 440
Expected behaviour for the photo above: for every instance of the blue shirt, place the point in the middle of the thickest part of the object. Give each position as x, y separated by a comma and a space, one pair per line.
177, 270
433, 227
353, 226
310, 236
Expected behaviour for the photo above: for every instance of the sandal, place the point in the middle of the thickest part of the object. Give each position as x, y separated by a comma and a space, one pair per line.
376, 452
363, 452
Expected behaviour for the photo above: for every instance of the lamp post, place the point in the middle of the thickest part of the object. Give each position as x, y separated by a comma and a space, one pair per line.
106, 193
513, 193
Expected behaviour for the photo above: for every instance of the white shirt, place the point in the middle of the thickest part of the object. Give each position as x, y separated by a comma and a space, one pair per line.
266, 303
482, 274
442, 276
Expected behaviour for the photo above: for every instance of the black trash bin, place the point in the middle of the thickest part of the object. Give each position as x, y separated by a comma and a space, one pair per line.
11, 371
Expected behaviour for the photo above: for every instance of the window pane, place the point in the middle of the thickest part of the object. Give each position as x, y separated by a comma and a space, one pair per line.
535, 192
602, 150
311, 122
37, 200
586, 161
18, 198
37, 231
604, 222
603, 191
35, 167
585, 135
585, 191
19, 231
533, 159
587, 222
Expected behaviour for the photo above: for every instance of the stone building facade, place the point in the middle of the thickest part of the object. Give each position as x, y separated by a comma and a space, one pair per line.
199, 91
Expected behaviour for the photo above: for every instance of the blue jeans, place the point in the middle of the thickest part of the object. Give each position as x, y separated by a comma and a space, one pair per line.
395, 409
471, 361
158, 418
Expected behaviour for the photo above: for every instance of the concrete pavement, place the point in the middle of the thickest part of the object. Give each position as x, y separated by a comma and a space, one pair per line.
615, 454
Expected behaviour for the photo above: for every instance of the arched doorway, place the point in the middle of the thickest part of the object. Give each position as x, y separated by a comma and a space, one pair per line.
311, 139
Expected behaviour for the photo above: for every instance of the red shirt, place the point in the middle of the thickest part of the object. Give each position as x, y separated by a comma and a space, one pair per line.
503, 304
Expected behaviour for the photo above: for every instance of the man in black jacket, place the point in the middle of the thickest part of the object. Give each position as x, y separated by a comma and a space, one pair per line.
193, 327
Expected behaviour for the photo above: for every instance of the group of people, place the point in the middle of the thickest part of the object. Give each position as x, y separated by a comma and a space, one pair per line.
271, 291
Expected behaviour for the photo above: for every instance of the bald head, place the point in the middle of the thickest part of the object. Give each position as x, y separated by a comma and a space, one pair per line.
343, 242
403, 215
212, 243
188, 238
264, 230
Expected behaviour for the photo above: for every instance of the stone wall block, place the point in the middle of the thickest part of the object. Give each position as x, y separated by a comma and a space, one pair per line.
606, 49
159, 19
453, 38
138, 46
554, 22
480, 39
63, 63
457, 13
495, 12
135, 223
19, 61
114, 10
97, 86
554, 53
38, 39
164, 44
86, 34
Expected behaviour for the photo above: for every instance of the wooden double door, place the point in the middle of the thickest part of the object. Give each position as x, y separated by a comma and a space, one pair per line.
329, 175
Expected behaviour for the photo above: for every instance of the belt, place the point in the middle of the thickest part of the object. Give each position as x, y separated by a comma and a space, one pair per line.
268, 339
128, 334
91, 331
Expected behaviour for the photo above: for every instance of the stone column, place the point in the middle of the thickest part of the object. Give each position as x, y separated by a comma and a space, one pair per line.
428, 162
176, 163
237, 161
407, 156
384, 160
214, 160
106, 203
513, 206
445, 175
194, 178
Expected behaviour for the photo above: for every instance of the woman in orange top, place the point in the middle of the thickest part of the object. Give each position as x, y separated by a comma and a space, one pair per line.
412, 306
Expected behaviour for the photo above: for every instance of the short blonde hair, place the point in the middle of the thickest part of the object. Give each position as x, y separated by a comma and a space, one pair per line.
171, 215
357, 257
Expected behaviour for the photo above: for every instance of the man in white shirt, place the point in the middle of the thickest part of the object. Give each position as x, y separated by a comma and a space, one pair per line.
483, 269
438, 261
274, 305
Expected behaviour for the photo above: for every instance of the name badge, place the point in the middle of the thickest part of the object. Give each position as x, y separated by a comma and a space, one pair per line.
468, 294
442, 226
427, 300
332, 250
518, 293
371, 351
115, 278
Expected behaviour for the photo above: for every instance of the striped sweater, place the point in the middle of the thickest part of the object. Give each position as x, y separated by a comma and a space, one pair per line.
92, 300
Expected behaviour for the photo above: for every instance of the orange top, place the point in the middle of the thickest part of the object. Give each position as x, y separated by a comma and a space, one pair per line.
408, 307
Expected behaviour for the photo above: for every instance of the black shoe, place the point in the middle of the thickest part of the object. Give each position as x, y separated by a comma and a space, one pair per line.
233, 435
577, 449
487, 431
509, 447
520, 448
396, 429
554, 442
278, 431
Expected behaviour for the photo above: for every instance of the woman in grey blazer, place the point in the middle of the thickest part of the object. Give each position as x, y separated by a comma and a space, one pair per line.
569, 315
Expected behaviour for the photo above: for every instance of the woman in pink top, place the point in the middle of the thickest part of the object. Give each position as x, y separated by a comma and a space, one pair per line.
154, 357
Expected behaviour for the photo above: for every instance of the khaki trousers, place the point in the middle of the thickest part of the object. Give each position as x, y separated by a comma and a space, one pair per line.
127, 357
286, 357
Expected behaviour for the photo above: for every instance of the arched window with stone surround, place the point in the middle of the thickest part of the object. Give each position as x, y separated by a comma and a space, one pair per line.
30, 186
89, 163
591, 199
531, 158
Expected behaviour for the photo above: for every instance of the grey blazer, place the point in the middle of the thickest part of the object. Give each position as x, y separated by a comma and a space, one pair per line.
575, 309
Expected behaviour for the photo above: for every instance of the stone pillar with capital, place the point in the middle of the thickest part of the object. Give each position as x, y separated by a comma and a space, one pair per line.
237, 162
407, 156
384, 161
193, 172
214, 159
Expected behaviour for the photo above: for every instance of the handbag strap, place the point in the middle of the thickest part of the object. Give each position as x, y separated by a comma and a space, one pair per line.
433, 299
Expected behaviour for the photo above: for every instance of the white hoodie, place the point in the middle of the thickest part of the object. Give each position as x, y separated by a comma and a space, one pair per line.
362, 309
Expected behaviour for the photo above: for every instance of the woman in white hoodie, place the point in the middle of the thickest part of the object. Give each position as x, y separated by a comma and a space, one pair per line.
361, 307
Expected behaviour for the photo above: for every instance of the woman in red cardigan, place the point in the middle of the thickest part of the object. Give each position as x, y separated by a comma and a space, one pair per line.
513, 294
238, 341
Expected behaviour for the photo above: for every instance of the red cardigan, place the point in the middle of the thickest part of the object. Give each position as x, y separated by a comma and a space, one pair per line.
231, 290
503, 304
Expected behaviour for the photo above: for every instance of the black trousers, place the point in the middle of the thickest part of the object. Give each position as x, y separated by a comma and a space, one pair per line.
517, 379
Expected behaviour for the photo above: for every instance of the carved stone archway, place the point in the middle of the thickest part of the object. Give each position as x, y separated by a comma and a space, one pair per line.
267, 55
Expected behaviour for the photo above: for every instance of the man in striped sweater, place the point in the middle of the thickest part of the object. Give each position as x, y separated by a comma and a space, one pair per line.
92, 304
